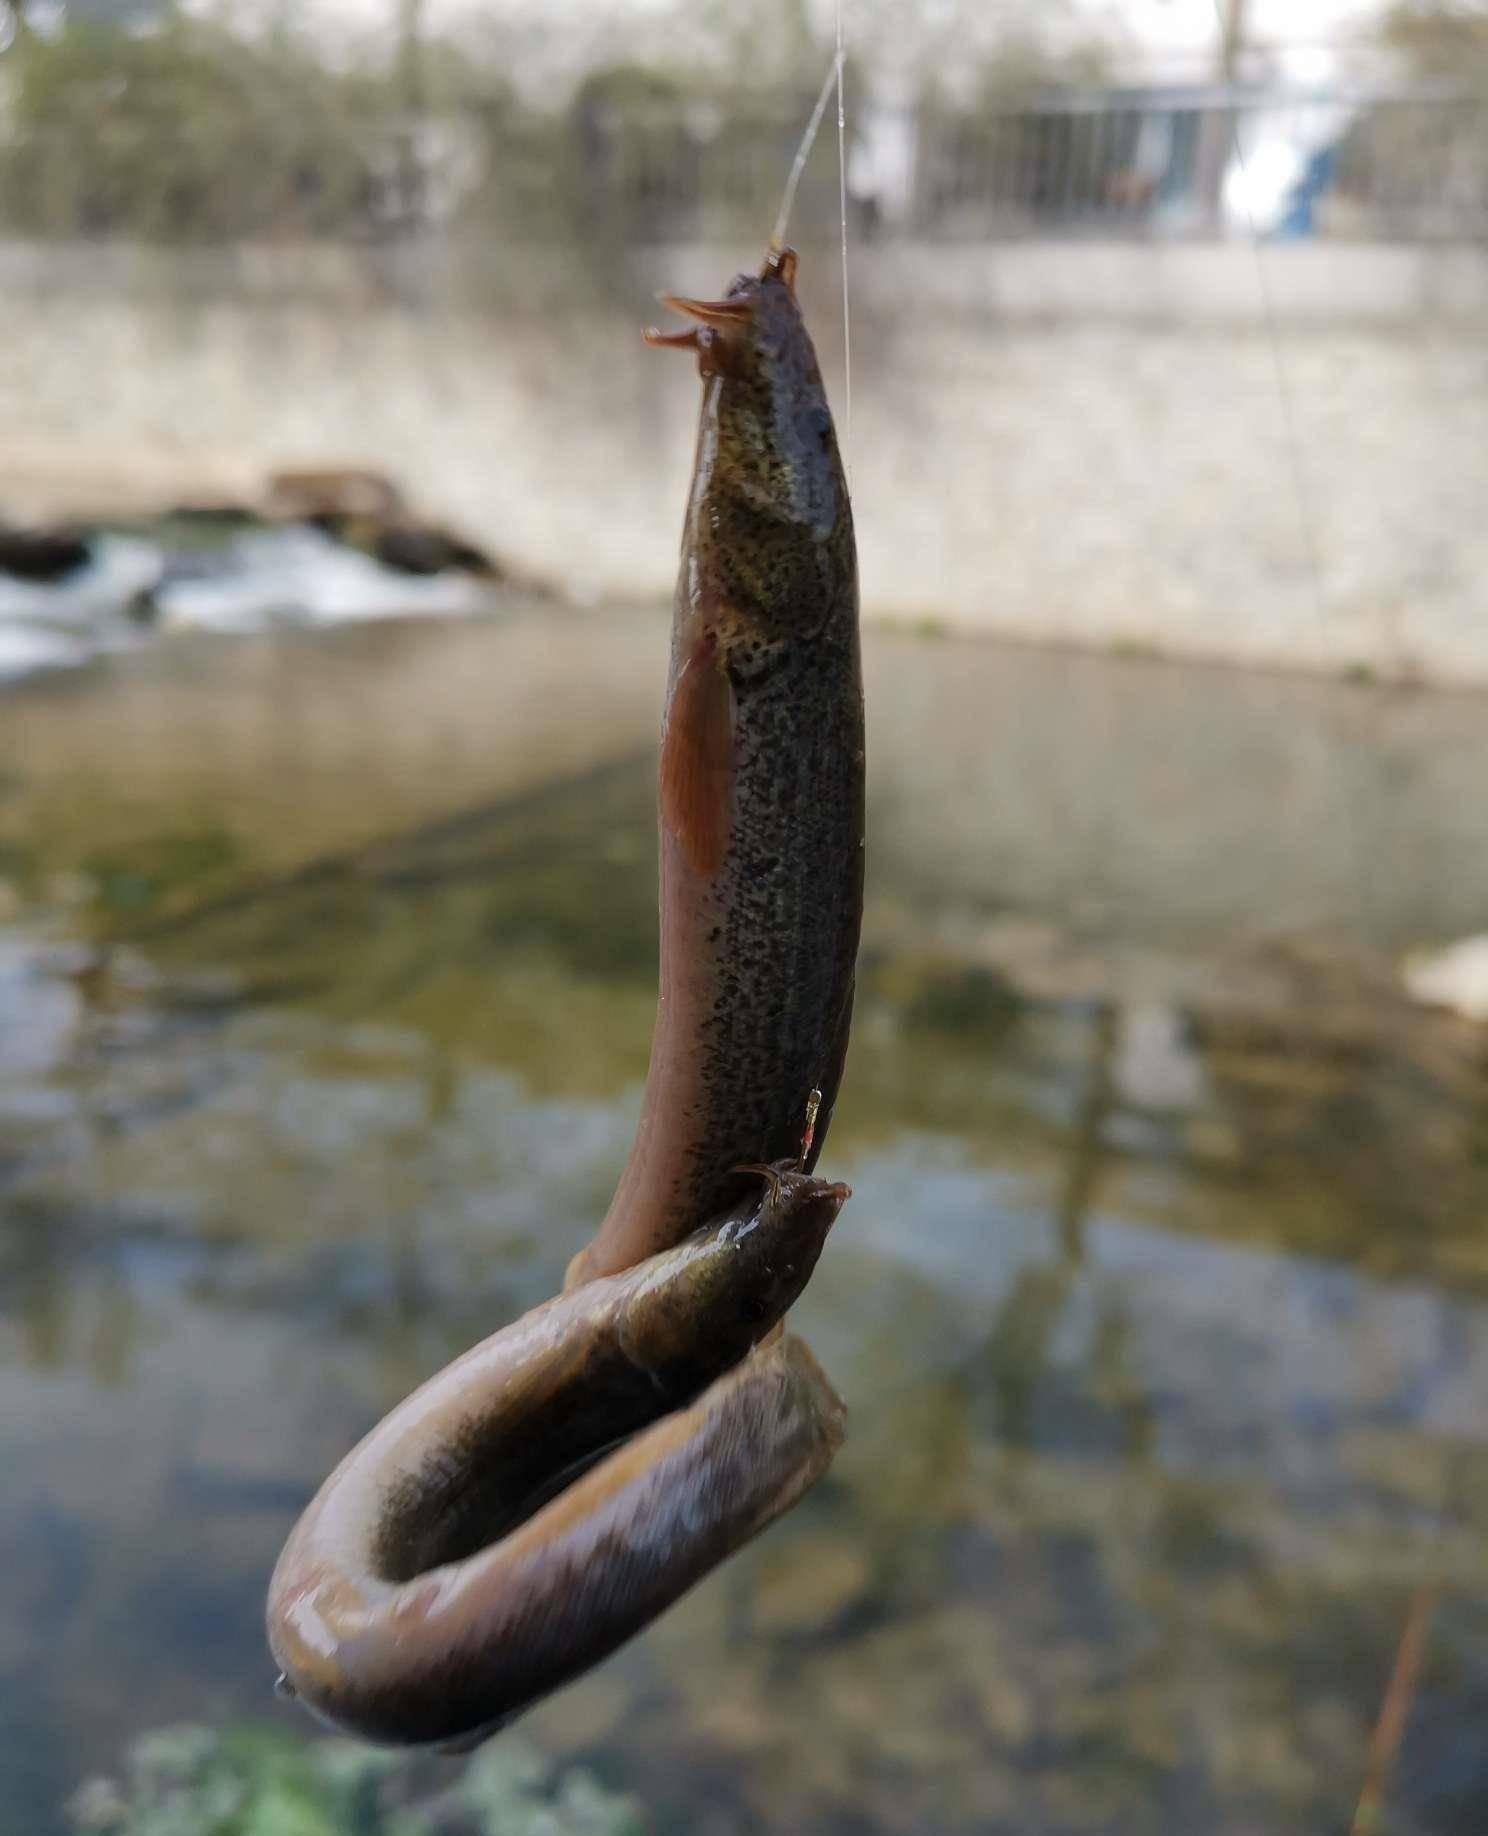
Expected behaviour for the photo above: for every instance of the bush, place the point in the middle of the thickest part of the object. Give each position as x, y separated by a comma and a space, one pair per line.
184, 131
195, 1781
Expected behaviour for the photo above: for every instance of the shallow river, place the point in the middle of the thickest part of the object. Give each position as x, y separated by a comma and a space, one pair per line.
326, 982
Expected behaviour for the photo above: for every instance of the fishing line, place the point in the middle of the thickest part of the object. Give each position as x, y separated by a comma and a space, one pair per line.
833, 79
808, 140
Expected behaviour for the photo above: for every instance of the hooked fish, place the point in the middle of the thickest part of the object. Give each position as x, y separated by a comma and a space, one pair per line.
452, 1570
546, 1495
761, 800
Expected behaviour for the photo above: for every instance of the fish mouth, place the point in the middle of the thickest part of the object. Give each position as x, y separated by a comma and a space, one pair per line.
785, 1177
737, 306
716, 319
730, 315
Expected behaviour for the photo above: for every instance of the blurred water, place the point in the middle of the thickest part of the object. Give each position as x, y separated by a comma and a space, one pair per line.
1161, 1304
248, 579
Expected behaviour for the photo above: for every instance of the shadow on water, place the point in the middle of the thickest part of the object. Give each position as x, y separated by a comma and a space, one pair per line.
1162, 1303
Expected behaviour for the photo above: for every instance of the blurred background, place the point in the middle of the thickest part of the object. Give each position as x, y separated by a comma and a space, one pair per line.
339, 507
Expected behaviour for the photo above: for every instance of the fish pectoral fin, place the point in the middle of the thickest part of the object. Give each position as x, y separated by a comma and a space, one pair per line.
697, 759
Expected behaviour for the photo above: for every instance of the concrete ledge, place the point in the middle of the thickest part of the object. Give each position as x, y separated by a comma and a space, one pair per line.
1312, 285
1297, 285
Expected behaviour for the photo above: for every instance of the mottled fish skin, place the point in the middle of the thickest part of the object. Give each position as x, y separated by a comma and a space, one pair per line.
452, 1571
762, 801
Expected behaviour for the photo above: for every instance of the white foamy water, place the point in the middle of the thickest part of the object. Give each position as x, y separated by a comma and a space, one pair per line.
118, 567
26, 648
301, 576
132, 586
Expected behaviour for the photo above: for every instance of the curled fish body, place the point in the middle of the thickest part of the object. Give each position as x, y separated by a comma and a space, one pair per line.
454, 1569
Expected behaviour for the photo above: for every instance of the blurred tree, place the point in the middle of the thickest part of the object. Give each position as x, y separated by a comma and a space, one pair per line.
235, 119
1441, 38
118, 12
1422, 167
412, 102
766, 45
183, 131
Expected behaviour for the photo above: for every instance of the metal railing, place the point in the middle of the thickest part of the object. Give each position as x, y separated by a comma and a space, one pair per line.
1404, 165
1401, 165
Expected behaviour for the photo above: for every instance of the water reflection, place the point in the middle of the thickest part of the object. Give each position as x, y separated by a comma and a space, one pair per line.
1161, 1308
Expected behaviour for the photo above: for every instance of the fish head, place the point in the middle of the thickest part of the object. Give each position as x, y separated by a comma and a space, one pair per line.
768, 548
701, 1306
769, 1247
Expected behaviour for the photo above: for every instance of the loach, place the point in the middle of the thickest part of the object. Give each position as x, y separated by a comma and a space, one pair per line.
452, 1570
761, 794
544, 1497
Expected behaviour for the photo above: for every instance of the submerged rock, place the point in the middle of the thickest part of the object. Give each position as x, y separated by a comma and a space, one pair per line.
303, 496
408, 546
367, 511
41, 554
431, 550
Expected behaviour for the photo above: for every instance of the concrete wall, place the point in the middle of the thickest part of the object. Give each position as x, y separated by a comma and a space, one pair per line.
1274, 455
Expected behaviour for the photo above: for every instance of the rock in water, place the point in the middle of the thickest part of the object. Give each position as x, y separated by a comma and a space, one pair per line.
41, 554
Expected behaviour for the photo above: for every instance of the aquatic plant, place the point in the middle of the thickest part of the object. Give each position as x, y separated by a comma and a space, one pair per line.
198, 1781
